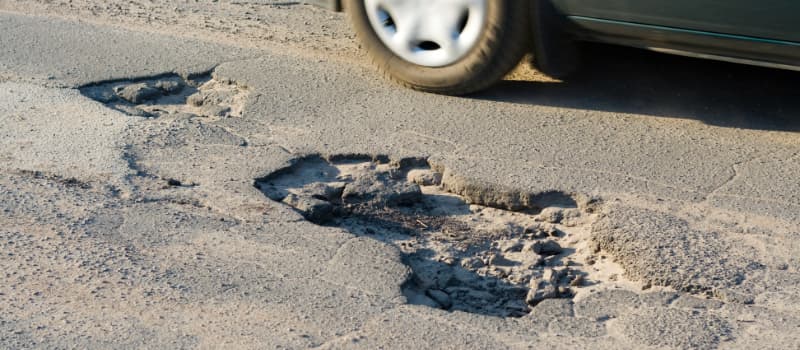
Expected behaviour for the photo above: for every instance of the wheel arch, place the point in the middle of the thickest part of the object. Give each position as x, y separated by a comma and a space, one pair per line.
555, 50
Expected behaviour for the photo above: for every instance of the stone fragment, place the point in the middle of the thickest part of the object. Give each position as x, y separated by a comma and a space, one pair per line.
532, 228
325, 191
595, 246
425, 177
100, 94
195, 100
472, 263
511, 246
566, 276
431, 275
315, 210
363, 189
547, 247
465, 277
138, 93
404, 194
578, 281
381, 191
589, 204
169, 86
571, 217
540, 231
551, 215
449, 260
539, 292
548, 275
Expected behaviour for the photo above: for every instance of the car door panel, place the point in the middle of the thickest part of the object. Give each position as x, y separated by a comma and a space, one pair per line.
769, 19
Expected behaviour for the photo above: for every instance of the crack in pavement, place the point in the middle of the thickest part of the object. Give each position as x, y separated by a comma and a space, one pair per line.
735, 174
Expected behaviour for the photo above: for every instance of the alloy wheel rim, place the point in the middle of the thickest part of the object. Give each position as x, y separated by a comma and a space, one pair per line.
430, 33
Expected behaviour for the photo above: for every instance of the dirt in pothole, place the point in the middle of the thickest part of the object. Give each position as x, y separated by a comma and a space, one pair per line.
466, 257
201, 96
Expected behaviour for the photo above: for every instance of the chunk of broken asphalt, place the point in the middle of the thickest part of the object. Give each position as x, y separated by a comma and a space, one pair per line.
315, 210
425, 177
371, 188
169, 86
404, 194
325, 191
551, 215
539, 291
100, 95
540, 230
138, 93
547, 247
363, 189
554, 283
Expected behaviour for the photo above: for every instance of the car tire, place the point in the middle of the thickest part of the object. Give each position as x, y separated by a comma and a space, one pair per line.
503, 40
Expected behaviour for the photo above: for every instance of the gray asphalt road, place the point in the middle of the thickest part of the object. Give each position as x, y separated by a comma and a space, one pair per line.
132, 134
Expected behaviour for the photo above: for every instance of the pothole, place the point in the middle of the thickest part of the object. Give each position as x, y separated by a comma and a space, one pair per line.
467, 257
202, 96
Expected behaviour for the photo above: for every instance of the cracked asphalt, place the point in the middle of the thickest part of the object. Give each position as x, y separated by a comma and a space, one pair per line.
121, 231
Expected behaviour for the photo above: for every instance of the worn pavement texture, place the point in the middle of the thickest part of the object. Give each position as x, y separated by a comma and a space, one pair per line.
136, 138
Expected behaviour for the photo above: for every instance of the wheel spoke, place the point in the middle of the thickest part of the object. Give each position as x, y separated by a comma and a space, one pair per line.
405, 37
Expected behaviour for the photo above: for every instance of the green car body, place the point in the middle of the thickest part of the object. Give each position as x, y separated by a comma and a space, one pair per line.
763, 33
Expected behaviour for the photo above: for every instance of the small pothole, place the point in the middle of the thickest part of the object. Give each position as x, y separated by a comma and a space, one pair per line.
465, 257
202, 96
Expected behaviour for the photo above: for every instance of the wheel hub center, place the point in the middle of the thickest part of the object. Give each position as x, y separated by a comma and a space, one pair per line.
431, 33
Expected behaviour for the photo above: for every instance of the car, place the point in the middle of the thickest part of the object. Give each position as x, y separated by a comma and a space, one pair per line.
458, 47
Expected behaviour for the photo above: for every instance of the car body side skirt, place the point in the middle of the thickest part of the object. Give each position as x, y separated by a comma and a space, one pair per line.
716, 46
724, 58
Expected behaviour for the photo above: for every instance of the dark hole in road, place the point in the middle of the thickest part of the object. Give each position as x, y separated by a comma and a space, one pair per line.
464, 256
154, 97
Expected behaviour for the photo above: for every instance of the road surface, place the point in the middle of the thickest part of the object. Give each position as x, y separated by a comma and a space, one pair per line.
158, 162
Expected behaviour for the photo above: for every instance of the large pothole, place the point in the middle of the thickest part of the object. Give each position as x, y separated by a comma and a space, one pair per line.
464, 254
201, 96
